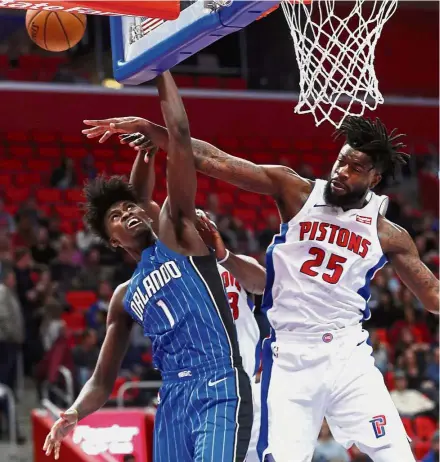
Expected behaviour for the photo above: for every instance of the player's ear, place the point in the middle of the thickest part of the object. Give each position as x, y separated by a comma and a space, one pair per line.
376, 179
114, 243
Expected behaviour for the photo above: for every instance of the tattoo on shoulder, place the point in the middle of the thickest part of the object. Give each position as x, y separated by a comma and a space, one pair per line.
393, 237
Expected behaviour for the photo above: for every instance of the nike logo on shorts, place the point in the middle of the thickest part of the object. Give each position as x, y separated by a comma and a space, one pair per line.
212, 384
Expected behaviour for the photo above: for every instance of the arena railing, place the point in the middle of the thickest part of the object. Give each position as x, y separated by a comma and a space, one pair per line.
6, 392
146, 385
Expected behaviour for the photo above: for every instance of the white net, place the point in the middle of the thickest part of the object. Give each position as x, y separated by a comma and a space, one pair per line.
335, 55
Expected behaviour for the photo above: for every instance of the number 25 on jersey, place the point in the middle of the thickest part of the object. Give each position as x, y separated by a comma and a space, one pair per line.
333, 271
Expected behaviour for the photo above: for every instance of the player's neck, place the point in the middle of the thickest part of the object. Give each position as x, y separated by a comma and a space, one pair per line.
136, 254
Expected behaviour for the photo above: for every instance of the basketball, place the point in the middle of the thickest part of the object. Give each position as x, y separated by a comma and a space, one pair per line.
55, 30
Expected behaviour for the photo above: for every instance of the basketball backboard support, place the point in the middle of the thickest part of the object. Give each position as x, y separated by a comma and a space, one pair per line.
143, 48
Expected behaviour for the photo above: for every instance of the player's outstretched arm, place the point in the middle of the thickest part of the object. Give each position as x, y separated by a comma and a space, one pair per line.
404, 257
246, 270
97, 390
212, 161
209, 160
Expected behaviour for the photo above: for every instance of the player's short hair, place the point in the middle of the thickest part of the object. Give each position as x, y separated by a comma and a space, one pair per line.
101, 193
372, 138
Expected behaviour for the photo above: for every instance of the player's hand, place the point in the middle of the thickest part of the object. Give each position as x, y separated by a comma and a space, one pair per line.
61, 428
210, 235
140, 143
107, 127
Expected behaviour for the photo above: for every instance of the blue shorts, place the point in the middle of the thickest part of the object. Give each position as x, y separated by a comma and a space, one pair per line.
204, 415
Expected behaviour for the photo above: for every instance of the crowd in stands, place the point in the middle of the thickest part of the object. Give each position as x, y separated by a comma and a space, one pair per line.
55, 290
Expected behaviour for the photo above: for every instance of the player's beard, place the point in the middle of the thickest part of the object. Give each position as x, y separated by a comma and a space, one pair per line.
347, 200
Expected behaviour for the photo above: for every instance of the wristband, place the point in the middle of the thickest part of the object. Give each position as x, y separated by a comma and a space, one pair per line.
224, 259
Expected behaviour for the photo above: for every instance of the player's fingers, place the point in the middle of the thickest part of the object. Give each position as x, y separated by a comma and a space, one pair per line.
57, 450
46, 442
94, 132
127, 138
49, 447
105, 136
103, 122
141, 140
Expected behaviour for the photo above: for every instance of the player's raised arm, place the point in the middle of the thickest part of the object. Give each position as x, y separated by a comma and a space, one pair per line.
181, 172
98, 388
404, 257
143, 178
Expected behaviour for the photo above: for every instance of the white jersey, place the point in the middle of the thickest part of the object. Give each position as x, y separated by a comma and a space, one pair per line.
320, 265
248, 333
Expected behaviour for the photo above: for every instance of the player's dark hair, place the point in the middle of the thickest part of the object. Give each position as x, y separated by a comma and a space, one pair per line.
372, 138
101, 193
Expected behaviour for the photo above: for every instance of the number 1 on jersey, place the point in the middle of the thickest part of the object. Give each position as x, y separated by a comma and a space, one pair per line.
334, 264
165, 309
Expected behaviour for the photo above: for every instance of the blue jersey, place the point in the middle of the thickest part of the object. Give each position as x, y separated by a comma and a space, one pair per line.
181, 304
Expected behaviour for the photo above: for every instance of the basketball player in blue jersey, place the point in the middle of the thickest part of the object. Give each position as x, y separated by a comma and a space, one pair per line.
176, 295
242, 276
333, 239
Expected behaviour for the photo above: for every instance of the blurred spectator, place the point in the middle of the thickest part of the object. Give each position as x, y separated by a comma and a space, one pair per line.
246, 242
11, 328
408, 402
12, 333
6, 220
52, 326
433, 454
88, 167
272, 227
30, 210
68, 252
54, 230
64, 176
24, 235
327, 449
432, 370
227, 234
212, 206
85, 239
104, 294
380, 353
413, 365
413, 321
64, 268
42, 251
85, 356
6, 254
91, 272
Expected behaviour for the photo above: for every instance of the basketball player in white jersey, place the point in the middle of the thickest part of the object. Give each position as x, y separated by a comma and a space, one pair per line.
332, 241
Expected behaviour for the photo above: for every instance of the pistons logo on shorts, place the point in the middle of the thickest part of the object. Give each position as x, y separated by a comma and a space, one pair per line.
327, 338
379, 423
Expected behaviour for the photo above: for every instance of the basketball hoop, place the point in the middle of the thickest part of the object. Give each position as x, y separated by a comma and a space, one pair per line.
335, 55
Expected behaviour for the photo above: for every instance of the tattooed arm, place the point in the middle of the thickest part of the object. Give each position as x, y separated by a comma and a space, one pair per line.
404, 257
212, 161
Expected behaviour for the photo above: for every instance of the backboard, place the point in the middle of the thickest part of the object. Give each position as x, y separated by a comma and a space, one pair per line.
143, 47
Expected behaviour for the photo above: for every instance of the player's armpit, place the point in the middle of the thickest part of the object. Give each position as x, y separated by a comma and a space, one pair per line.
97, 390
404, 257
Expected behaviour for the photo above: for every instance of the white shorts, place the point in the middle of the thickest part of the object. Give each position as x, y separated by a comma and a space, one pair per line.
252, 455
307, 377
